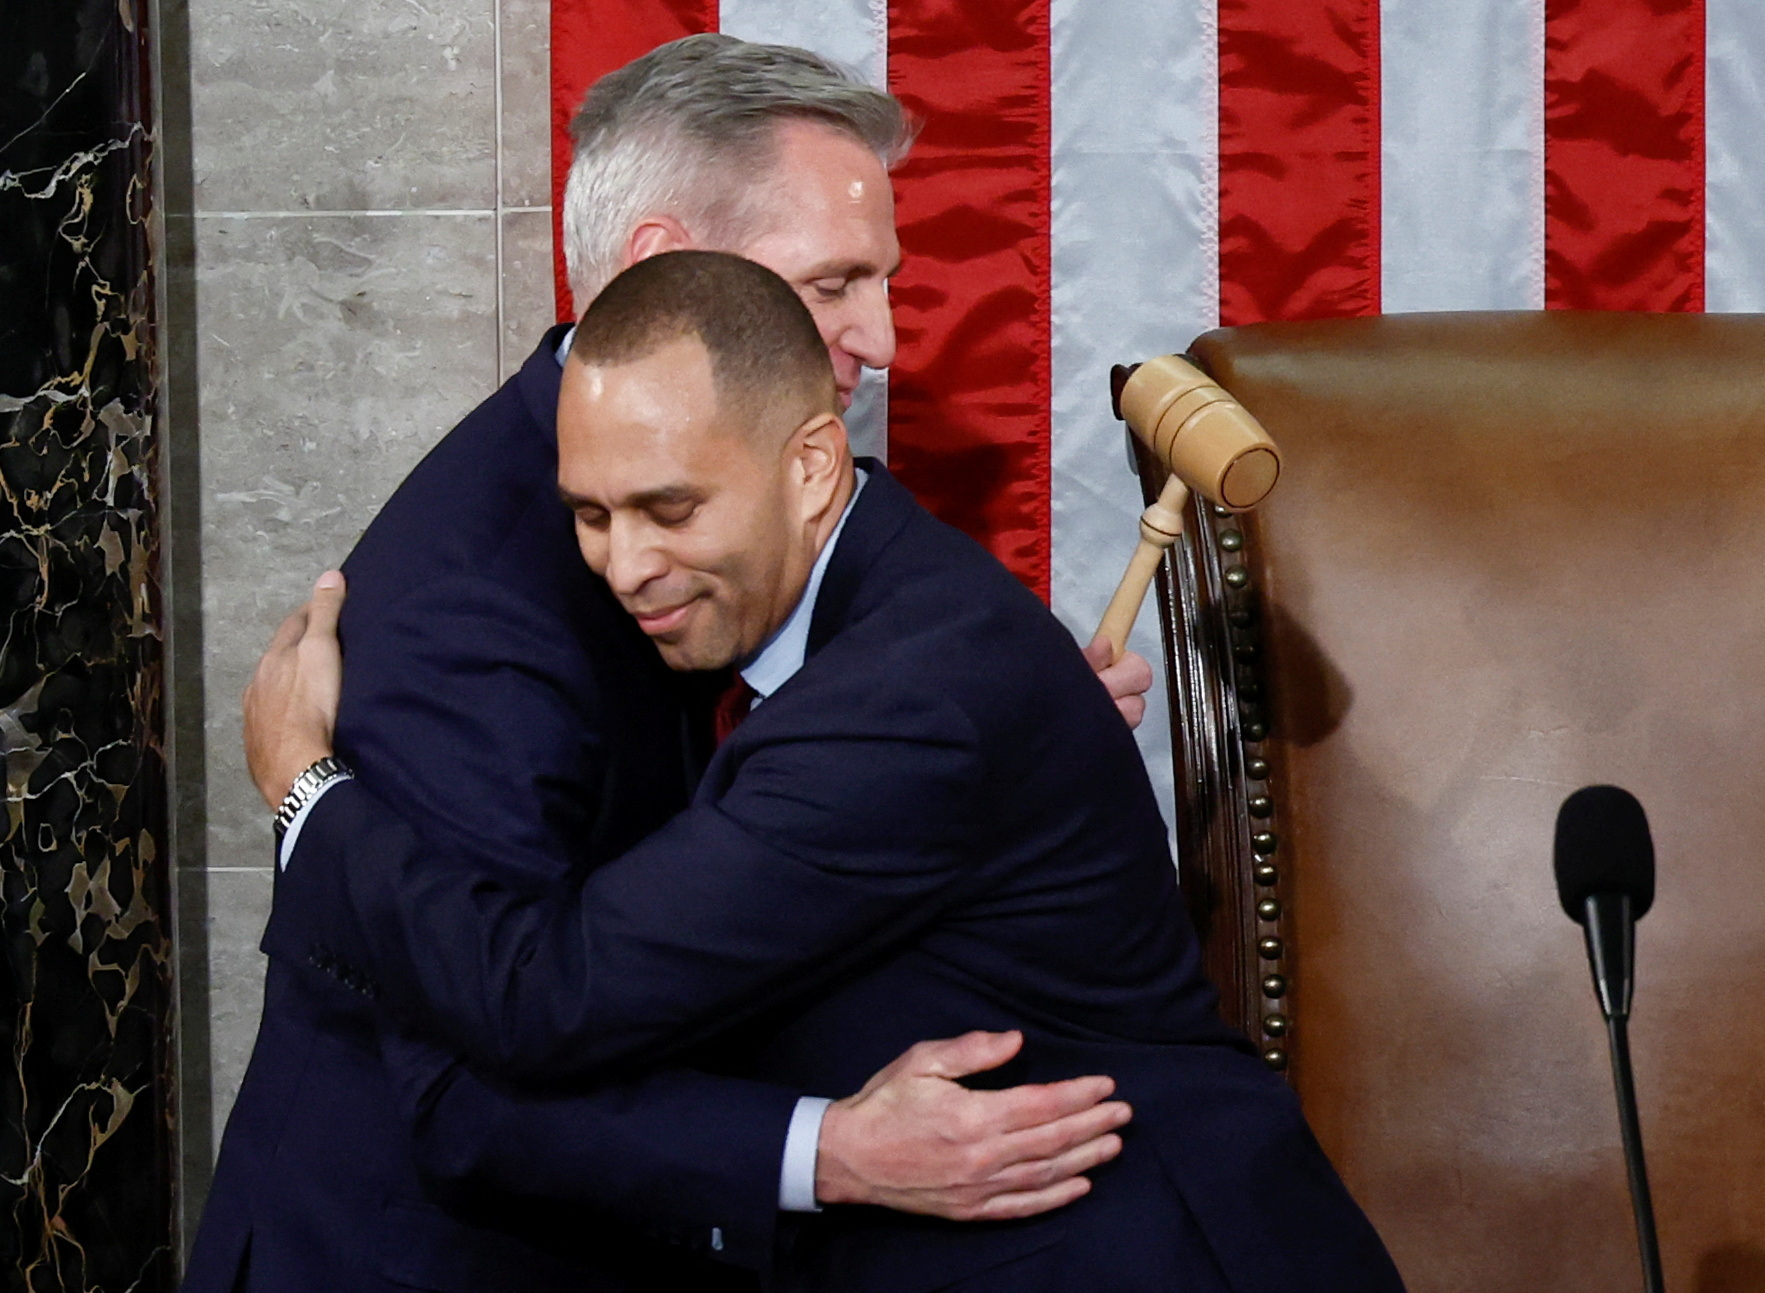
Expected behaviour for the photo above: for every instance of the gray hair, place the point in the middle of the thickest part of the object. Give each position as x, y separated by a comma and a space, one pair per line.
689, 130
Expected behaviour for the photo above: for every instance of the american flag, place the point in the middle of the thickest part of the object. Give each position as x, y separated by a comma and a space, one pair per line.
1098, 181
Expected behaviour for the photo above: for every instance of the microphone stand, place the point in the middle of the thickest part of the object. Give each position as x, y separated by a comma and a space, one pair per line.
1618, 1035
1611, 944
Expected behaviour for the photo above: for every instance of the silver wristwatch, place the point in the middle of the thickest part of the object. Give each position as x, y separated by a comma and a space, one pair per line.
306, 786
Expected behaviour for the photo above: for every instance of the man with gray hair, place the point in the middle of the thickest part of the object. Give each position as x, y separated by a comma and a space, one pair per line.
500, 696
771, 152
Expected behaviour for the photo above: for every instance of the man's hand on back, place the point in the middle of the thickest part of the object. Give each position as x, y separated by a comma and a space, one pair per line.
291, 703
1127, 680
916, 1140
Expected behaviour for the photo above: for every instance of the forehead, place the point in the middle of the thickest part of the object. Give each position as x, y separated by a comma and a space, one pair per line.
656, 412
829, 199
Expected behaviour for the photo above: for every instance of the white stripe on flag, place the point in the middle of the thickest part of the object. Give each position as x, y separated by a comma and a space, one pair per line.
853, 32
1136, 274
1734, 155
856, 33
1462, 174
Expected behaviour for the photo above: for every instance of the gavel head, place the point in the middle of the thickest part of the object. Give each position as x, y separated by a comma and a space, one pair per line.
1202, 434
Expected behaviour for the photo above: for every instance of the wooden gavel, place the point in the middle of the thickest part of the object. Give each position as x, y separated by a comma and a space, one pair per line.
1211, 444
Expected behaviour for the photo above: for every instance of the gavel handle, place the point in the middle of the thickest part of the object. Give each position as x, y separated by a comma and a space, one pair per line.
1161, 525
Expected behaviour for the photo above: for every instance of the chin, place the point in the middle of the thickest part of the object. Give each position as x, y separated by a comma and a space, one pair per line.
677, 658
692, 657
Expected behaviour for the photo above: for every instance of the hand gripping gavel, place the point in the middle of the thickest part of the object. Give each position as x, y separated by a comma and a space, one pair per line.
1211, 444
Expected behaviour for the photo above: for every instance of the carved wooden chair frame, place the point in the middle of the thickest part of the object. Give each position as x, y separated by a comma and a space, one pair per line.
1228, 845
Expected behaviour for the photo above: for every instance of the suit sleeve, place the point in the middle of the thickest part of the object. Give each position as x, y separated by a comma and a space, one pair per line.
841, 824
682, 1157
461, 708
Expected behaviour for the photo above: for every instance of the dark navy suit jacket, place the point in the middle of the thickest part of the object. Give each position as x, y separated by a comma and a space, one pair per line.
939, 823
495, 689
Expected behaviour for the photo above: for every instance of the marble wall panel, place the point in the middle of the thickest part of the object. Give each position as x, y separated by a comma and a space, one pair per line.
238, 903
85, 975
525, 83
341, 106
529, 306
334, 351
370, 195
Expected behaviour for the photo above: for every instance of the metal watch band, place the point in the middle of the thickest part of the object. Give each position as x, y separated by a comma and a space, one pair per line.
321, 774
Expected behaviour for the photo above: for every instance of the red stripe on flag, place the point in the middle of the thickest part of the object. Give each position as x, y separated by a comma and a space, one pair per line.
589, 39
969, 391
1299, 159
1624, 154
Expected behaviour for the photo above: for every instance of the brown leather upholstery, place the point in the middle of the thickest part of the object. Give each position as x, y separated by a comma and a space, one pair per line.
1510, 555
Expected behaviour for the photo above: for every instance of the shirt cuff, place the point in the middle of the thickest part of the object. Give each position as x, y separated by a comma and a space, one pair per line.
292, 834
796, 1178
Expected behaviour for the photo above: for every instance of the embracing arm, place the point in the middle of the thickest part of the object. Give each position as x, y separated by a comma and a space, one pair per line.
658, 1151
675, 1153
685, 1158
831, 845
679, 1152
844, 832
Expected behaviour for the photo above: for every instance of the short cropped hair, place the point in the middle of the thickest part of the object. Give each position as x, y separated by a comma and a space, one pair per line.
690, 130
768, 363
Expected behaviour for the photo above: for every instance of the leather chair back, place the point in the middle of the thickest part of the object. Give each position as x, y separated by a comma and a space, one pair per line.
1510, 555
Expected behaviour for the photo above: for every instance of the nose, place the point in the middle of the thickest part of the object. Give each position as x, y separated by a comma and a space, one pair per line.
861, 331
632, 559
871, 337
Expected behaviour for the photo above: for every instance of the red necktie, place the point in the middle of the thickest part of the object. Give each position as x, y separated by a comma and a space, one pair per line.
732, 707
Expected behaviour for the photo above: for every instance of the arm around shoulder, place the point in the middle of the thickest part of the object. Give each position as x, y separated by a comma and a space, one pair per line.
831, 838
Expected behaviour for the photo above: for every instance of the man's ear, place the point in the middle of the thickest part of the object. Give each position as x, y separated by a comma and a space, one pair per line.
823, 456
654, 235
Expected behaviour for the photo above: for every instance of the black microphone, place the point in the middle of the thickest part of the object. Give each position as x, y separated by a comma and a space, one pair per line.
1605, 865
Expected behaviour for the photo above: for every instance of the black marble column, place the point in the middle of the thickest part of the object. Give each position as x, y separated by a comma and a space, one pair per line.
85, 1107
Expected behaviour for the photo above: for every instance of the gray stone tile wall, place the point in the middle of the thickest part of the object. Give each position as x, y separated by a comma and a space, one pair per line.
527, 284
526, 87
372, 254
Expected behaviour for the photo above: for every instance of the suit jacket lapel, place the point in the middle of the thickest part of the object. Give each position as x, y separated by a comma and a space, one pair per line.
877, 517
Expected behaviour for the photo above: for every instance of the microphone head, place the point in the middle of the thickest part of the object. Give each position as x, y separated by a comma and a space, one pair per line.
1603, 846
